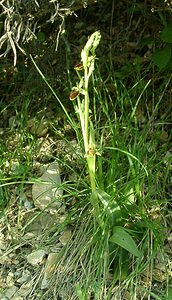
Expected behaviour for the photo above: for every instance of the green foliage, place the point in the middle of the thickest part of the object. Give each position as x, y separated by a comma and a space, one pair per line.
118, 185
162, 58
166, 34
81, 295
169, 297
41, 37
122, 238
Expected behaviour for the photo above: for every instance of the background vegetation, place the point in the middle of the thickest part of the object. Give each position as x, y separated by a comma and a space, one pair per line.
121, 223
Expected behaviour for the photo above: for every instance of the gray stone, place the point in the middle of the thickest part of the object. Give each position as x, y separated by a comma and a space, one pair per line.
66, 236
11, 291
2, 242
36, 258
46, 193
27, 204
25, 276
49, 268
24, 290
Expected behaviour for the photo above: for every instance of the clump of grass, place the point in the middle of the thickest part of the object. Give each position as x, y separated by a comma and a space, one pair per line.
116, 236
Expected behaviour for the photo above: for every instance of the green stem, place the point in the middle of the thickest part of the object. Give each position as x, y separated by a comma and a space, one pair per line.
81, 116
86, 111
91, 170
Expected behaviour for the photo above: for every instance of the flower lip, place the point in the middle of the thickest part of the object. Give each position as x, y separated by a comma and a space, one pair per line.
73, 94
91, 152
79, 66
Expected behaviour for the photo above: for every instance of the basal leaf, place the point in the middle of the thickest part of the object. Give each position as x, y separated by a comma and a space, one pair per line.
123, 239
166, 34
161, 57
110, 205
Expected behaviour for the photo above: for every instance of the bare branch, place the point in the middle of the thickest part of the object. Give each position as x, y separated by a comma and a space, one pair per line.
21, 19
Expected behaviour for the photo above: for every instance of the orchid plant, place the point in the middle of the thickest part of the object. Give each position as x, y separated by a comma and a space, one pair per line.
80, 93
100, 200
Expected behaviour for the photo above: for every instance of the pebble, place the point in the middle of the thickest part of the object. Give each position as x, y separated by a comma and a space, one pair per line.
46, 193
13, 122
65, 237
25, 276
36, 258
49, 268
40, 129
11, 291
2, 241
25, 290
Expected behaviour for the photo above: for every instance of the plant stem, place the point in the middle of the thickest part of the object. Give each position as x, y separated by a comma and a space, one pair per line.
86, 121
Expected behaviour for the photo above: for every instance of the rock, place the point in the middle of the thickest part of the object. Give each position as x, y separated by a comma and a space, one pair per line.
62, 210
161, 261
28, 236
49, 268
36, 258
24, 290
36, 223
25, 276
44, 149
66, 236
40, 128
62, 218
159, 275
5, 259
11, 291
28, 204
2, 241
10, 279
13, 122
45, 193
23, 199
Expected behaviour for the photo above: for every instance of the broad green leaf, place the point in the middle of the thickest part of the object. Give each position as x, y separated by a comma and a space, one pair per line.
120, 271
166, 34
169, 65
110, 205
161, 57
130, 198
123, 239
